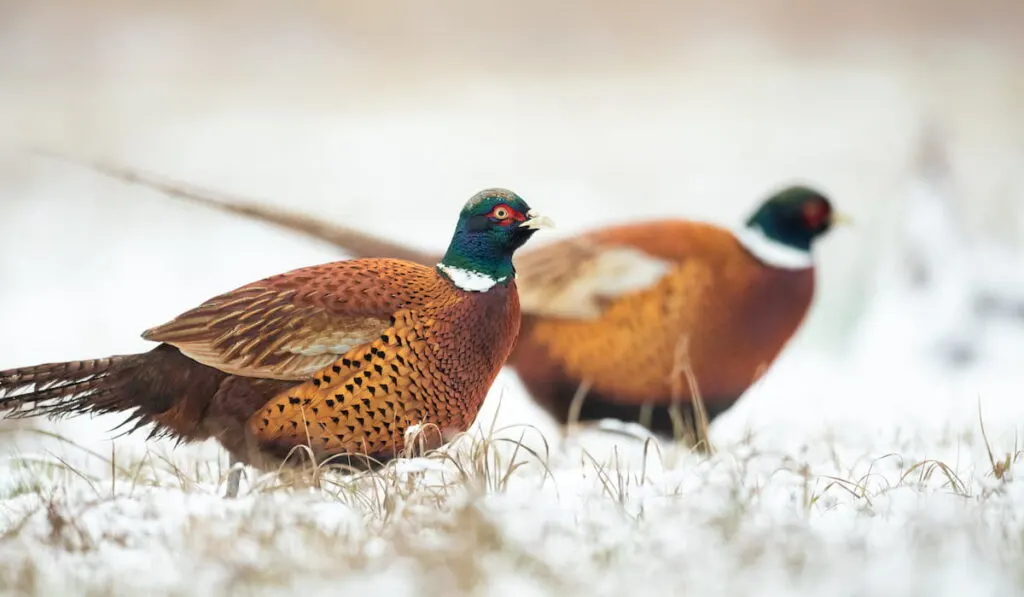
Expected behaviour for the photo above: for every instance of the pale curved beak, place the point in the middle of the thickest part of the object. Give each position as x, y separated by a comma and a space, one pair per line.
841, 219
536, 221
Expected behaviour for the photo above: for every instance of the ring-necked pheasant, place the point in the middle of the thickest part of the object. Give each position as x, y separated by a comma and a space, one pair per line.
342, 357
623, 312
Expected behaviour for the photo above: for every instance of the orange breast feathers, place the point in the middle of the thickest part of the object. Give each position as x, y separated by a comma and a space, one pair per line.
626, 308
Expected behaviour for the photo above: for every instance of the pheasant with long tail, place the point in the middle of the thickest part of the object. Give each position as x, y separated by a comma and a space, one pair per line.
342, 357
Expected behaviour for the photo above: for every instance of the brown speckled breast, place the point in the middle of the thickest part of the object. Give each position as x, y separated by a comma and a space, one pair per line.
432, 366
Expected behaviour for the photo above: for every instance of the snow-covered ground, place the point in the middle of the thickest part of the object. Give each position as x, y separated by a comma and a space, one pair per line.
857, 467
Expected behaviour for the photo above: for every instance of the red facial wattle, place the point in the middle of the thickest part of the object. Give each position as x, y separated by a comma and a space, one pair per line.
816, 214
503, 215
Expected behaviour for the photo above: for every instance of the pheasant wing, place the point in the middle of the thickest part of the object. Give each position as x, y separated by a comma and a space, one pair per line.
291, 325
575, 278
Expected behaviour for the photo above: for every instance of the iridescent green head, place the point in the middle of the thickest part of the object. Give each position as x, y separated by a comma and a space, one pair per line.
795, 216
493, 224
782, 230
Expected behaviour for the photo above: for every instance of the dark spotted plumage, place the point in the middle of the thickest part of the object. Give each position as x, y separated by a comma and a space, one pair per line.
342, 357
625, 311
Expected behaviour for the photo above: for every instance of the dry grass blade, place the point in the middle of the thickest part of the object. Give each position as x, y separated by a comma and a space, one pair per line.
1001, 467
576, 405
857, 490
691, 426
927, 468
649, 444
616, 489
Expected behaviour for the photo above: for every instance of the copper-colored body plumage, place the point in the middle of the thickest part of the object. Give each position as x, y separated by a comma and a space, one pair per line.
422, 352
341, 357
717, 310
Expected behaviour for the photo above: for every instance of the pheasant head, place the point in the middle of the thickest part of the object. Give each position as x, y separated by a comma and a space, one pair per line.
493, 224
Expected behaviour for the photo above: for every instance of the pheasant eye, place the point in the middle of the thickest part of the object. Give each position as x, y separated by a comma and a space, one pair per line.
501, 212
815, 214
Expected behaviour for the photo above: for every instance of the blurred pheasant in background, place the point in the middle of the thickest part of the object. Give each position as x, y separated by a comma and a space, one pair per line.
342, 357
630, 322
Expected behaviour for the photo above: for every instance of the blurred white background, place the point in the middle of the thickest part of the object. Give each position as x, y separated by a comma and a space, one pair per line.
388, 115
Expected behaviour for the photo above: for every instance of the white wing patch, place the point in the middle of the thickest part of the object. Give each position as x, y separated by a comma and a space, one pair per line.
772, 252
574, 288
